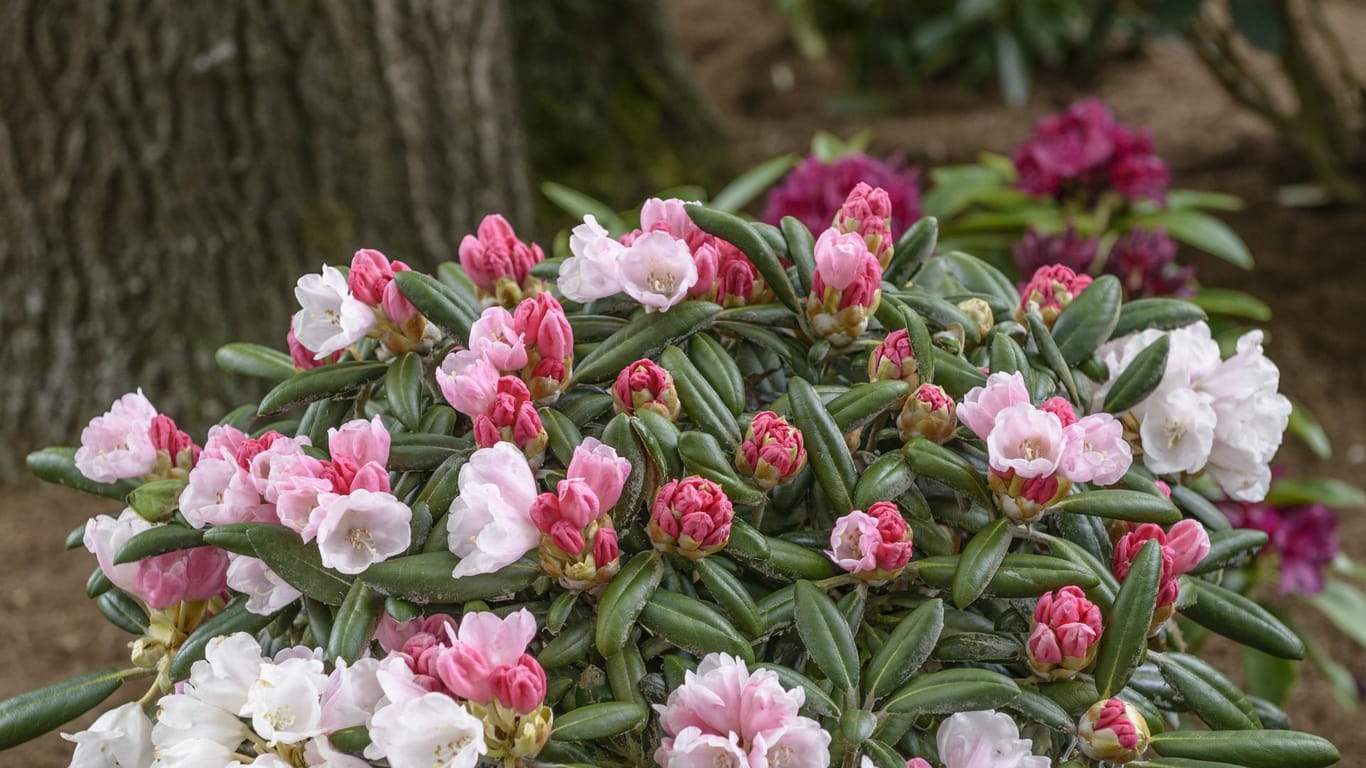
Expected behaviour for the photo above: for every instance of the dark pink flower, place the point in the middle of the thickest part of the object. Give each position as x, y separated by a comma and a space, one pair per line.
645, 384
691, 516
520, 686
893, 358
1066, 628
1052, 289
814, 191
496, 254
1144, 260
1068, 248
772, 452
1084, 152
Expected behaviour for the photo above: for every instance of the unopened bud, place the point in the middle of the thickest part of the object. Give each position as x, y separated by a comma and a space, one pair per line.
691, 516
645, 384
929, 413
1024, 499
846, 288
1113, 730
772, 452
867, 211
1065, 631
894, 359
1052, 289
979, 312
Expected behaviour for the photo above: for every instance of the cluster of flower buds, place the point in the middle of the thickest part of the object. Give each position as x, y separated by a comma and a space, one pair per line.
1068, 248
727, 276
646, 385
1114, 731
867, 211
578, 542
813, 192
772, 452
1084, 152
691, 517
499, 264
1064, 634
549, 341
845, 288
893, 359
1183, 547
1036, 453
132, 440
499, 405
1049, 291
874, 545
338, 311
1144, 260
929, 413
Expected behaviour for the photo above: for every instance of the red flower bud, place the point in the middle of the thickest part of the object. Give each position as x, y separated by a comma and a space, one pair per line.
691, 516
929, 413
497, 262
520, 686
1065, 630
1052, 288
772, 452
868, 211
1113, 731
893, 358
644, 384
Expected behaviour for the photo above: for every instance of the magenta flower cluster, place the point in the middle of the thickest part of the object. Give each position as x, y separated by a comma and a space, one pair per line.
1304, 537
1084, 152
815, 190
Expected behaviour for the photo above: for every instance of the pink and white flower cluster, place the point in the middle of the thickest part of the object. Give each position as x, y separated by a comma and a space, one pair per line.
726, 714
132, 440
669, 259
874, 545
846, 287
344, 502
1037, 452
160, 581
1224, 417
1183, 547
578, 541
498, 263
338, 310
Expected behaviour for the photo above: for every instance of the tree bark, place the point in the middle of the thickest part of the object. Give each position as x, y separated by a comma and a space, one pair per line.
169, 167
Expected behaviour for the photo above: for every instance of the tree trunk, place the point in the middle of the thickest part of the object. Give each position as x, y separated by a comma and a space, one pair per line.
168, 168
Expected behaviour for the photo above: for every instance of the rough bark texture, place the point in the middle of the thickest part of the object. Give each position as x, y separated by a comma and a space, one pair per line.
168, 168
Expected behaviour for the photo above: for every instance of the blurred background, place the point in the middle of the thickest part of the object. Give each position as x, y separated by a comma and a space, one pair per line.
168, 169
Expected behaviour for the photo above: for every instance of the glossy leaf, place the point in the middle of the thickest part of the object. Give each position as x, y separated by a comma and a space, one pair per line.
826, 636
325, 382
624, 599
981, 557
1126, 626
826, 450
644, 337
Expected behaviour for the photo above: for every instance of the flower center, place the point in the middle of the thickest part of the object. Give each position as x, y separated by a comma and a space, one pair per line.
781, 756
726, 761
280, 718
447, 752
662, 284
1175, 431
1030, 450
360, 538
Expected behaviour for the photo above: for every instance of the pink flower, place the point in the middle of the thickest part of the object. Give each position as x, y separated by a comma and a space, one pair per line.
691, 516
303, 357
521, 685
399, 310
814, 191
601, 469
167, 437
370, 274
929, 413
1096, 450
873, 545
724, 714
772, 452
118, 445
219, 489
1026, 441
489, 521
105, 536
868, 211
1144, 260
1134, 170
671, 216
1083, 151
543, 325
1052, 289
496, 339
1113, 731
182, 576
657, 270
593, 482
484, 643
360, 440
1189, 542
266, 592
737, 280
330, 319
645, 384
594, 271
468, 388
500, 406
1169, 588
497, 255
981, 404
985, 739
1066, 629
1060, 407
361, 528
893, 359
1068, 248
844, 263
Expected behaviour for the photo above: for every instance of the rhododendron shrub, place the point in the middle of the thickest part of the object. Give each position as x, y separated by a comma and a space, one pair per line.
704, 493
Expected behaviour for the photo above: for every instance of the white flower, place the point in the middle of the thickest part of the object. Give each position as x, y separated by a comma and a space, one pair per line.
331, 319
284, 703
361, 528
352, 692
986, 739
118, 444
184, 717
1252, 418
266, 592
593, 271
319, 753
657, 271
269, 760
430, 731
119, 738
193, 753
489, 523
1177, 431
230, 665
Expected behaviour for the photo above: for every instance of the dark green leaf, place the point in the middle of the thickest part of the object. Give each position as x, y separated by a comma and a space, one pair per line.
1126, 626
355, 624
1253, 749
1242, 620
34, 713
426, 578
981, 557
1139, 378
826, 636
599, 721
58, 465
624, 599
254, 360
403, 389
826, 450
1120, 504
644, 337
693, 626
953, 690
320, 383
905, 650
1089, 320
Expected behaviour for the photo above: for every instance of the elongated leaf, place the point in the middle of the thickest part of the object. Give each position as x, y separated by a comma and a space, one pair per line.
426, 578
801, 248
1242, 620
706, 408
703, 456
569, 647
752, 183
1042, 709
955, 374
1212, 697
915, 247
644, 337
599, 721
1139, 378
953, 690
1301, 491
254, 360
1307, 428
979, 561
1202, 231
1052, 355
885, 479
233, 618
742, 235
1253, 749
320, 383
299, 564
1089, 320
864, 402
58, 465
159, 540
693, 625
730, 594
718, 367
123, 612
355, 624
826, 636
905, 650
1221, 301
1228, 547
351, 740
1159, 313
939, 463
34, 713
1120, 504
578, 205
826, 450
403, 389
1126, 627
624, 599
1195, 505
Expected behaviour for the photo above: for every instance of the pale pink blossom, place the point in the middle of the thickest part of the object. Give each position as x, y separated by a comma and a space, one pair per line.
470, 389
425, 731
489, 522
657, 270
494, 337
105, 536
331, 319
875, 544
484, 643
361, 441
725, 714
670, 215
593, 272
351, 694
266, 592
1096, 450
284, 457
981, 404
543, 324
296, 502
1177, 431
841, 258
1026, 440
118, 445
230, 665
184, 717
1189, 542
601, 469
362, 528
986, 739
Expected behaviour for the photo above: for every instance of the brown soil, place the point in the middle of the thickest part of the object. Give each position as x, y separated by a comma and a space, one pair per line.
1309, 271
